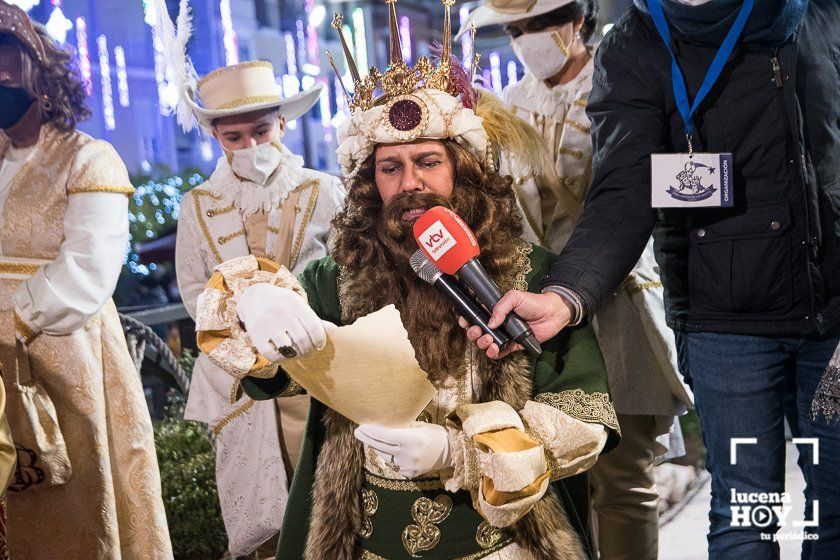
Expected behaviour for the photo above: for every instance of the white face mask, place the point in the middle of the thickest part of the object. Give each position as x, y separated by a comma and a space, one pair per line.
256, 163
542, 54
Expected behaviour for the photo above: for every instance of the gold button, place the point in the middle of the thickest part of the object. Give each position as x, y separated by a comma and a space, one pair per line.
209, 213
221, 240
774, 225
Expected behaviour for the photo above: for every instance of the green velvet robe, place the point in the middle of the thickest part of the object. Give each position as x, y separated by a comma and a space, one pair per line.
571, 360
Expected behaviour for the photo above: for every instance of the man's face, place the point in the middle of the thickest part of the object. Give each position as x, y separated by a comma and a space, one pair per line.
249, 129
10, 70
418, 168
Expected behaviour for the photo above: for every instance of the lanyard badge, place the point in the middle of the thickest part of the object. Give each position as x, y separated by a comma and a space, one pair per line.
693, 180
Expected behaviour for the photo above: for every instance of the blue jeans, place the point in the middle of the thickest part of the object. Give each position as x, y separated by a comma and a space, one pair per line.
740, 385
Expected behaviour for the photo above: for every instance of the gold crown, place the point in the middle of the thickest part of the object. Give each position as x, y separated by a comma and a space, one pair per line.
399, 78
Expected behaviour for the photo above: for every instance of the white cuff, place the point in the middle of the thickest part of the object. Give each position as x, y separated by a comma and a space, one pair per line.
513, 471
464, 474
488, 417
574, 445
511, 512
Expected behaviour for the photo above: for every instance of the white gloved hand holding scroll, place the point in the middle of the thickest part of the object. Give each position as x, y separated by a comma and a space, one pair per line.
279, 322
413, 451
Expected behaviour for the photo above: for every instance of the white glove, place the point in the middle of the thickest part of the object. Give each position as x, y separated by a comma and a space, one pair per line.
416, 450
277, 320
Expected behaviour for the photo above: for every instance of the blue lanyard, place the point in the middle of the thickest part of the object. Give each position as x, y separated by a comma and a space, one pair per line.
677, 80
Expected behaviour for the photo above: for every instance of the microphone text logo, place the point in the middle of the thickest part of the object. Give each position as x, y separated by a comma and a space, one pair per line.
437, 240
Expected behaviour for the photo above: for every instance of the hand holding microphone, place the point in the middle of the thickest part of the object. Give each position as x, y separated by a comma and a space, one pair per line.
452, 289
449, 242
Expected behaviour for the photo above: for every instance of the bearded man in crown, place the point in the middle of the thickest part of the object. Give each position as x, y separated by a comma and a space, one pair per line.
492, 468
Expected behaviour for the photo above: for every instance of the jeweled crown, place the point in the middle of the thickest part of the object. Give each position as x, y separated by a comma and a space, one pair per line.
399, 78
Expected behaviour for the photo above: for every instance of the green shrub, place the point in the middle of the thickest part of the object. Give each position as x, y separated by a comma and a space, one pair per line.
188, 476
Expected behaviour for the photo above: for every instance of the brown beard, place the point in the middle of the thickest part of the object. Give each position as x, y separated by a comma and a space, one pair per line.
373, 248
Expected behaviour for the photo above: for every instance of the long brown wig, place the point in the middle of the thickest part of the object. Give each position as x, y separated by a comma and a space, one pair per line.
373, 248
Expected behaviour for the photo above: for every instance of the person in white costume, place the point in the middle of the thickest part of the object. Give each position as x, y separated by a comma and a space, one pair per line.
550, 38
87, 483
260, 201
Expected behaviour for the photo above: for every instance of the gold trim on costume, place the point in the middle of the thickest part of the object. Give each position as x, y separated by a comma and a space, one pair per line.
234, 392
634, 286
577, 125
539, 232
427, 513
488, 536
24, 330
523, 266
252, 100
581, 102
128, 191
372, 459
232, 416
423, 485
291, 390
406, 135
586, 407
550, 460
219, 211
368, 555
203, 225
307, 216
222, 239
19, 268
560, 44
577, 154
240, 66
370, 503
202, 192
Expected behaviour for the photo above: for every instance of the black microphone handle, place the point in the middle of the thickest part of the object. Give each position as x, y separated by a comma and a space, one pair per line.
488, 292
467, 308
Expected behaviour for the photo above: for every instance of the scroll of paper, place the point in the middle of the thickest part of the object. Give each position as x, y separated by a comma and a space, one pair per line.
367, 372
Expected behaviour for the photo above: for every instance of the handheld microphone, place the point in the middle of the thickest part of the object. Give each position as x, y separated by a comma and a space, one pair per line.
450, 243
452, 290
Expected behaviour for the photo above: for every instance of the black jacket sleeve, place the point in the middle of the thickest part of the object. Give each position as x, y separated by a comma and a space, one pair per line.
629, 123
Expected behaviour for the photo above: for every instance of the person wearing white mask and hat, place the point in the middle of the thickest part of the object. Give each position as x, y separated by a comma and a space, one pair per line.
550, 39
261, 203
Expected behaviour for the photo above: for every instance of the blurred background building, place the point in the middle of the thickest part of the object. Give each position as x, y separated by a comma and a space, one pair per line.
118, 53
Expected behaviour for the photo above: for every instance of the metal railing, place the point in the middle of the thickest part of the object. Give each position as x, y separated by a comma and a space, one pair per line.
144, 344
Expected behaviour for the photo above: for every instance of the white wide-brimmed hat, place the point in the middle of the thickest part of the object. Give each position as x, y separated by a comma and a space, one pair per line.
243, 88
500, 12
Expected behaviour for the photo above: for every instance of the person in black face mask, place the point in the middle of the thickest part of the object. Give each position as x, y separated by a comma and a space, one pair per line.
15, 103
76, 407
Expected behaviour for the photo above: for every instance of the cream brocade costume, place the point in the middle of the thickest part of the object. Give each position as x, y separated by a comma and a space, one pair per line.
641, 362
224, 218
64, 230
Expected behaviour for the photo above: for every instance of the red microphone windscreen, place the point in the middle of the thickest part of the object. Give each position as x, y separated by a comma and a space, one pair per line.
445, 238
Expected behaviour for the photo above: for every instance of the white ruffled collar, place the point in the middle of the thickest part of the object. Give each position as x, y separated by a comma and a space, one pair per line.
534, 95
249, 197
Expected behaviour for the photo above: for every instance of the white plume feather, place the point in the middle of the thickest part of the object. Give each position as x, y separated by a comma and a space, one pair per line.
180, 73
